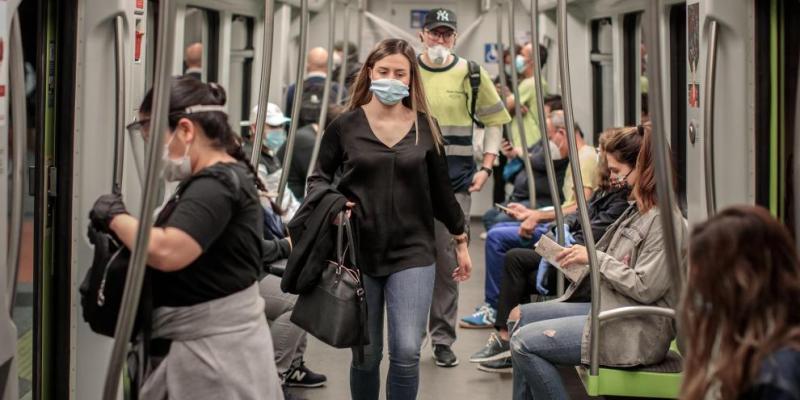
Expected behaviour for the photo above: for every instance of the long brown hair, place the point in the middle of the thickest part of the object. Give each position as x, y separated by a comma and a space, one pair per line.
743, 297
416, 100
644, 190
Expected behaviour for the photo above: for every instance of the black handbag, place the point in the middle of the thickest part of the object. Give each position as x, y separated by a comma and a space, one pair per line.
335, 310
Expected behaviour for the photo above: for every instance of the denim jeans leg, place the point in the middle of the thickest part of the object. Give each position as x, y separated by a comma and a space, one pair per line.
408, 299
536, 350
365, 378
502, 238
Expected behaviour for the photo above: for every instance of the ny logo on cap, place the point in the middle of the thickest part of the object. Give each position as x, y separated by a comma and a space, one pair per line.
441, 15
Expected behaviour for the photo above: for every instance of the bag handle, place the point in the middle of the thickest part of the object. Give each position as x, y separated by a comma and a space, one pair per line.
342, 250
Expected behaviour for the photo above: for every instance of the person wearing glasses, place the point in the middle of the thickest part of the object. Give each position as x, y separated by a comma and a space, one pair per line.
204, 256
447, 83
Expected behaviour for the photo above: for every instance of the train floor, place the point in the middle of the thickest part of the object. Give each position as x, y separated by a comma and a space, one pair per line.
464, 381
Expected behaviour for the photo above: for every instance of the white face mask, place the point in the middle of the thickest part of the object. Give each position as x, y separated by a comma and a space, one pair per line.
337, 59
438, 54
176, 170
555, 152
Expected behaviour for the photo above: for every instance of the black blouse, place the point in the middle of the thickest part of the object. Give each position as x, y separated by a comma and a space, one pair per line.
398, 192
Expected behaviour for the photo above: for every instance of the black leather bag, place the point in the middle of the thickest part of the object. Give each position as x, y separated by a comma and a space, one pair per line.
335, 311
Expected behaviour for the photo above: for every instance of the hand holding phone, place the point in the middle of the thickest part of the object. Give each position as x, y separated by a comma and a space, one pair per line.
503, 208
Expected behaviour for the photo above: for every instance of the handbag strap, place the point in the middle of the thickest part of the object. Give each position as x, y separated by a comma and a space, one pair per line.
351, 244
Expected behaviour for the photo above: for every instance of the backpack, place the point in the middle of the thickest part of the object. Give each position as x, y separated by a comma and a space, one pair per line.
311, 103
474, 77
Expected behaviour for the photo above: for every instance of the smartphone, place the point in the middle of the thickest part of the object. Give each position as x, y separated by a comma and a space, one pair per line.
502, 208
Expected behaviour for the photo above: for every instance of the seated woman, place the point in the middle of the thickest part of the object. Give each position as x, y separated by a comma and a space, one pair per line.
204, 256
633, 270
619, 148
741, 316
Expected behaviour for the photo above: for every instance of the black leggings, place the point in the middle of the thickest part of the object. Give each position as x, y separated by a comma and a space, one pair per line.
515, 288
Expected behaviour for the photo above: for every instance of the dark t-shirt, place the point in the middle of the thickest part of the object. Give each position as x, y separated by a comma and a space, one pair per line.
539, 167
779, 378
224, 217
301, 158
398, 192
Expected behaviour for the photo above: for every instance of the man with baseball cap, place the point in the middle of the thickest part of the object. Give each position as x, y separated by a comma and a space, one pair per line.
461, 94
274, 135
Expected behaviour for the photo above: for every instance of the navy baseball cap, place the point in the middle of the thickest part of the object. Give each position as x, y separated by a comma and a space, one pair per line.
440, 17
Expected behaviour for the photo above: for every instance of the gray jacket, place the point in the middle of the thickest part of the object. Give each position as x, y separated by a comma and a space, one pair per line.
634, 272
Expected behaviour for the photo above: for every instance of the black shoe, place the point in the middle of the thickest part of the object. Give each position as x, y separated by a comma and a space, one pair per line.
287, 395
300, 376
443, 356
495, 349
501, 366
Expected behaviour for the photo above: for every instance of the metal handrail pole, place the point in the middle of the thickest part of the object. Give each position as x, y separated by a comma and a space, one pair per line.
526, 159
119, 81
20, 128
263, 86
708, 119
635, 311
660, 148
345, 52
580, 196
551, 173
501, 62
298, 97
326, 93
136, 268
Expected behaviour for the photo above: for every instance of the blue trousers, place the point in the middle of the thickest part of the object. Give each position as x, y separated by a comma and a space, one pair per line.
407, 298
500, 239
549, 334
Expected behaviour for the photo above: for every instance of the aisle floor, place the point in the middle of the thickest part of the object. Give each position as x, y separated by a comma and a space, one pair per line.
461, 382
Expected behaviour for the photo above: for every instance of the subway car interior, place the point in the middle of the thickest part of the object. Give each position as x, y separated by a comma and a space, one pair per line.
713, 86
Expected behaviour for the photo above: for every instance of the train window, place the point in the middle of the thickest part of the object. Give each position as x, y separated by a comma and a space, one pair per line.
635, 79
602, 75
150, 35
678, 94
241, 67
201, 43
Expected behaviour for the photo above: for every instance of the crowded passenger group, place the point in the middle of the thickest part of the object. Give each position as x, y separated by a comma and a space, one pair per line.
386, 208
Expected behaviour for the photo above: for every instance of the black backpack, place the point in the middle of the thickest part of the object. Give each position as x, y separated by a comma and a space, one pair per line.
474, 77
311, 103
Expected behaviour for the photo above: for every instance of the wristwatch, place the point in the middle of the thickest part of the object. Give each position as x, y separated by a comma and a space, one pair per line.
487, 170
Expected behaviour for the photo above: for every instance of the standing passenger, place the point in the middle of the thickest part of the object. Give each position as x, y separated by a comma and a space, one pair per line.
394, 173
313, 88
204, 259
447, 84
193, 58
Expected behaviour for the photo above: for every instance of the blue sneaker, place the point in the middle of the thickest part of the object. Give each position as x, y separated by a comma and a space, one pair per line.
483, 318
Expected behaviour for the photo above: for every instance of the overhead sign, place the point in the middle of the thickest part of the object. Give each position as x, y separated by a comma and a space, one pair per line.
418, 18
490, 53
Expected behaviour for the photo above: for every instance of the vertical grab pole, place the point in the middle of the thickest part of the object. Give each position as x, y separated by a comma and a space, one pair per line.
501, 61
526, 160
298, 97
708, 119
20, 127
345, 51
263, 87
326, 93
119, 81
583, 212
551, 173
360, 24
660, 149
136, 268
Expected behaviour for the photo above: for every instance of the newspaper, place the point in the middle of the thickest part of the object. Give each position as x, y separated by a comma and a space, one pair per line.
549, 249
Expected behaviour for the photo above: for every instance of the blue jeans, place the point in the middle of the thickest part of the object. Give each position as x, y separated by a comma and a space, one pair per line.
549, 334
407, 297
500, 239
494, 216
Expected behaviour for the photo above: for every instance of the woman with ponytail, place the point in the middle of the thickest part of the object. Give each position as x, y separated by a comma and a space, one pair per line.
211, 339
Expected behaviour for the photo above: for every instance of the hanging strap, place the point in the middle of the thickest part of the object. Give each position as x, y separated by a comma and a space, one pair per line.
474, 76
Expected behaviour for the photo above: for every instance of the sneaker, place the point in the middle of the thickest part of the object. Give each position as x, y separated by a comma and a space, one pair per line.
501, 366
495, 349
484, 235
299, 375
483, 318
444, 356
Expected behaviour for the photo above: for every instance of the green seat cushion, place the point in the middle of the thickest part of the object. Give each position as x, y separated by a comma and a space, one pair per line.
662, 380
